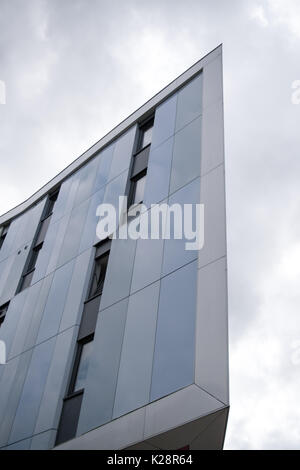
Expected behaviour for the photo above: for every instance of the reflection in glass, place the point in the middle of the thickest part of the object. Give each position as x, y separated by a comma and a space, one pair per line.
83, 366
139, 190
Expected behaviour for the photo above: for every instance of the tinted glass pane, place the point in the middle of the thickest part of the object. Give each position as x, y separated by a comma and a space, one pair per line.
174, 355
119, 271
55, 303
87, 177
99, 275
89, 231
139, 190
158, 173
98, 399
175, 252
148, 259
56, 381
134, 379
9, 327
147, 137
69, 419
26, 281
11, 385
105, 160
43, 230
122, 153
73, 233
189, 104
186, 155
83, 366
164, 122
77, 291
32, 392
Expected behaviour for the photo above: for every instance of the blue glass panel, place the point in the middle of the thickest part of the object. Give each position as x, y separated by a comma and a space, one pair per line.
186, 155
158, 174
38, 309
32, 392
77, 290
11, 387
46, 251
43, 441
25, 316
134, 379
115, 189
122, 153
119, 271
61, 228
55, 302
60, 206
98, 398
87, 176
49, 412
174, 355
30, 223
189, 104
105, 160
175, 253
15, 272
66, 197
5, 268
148, 259
13, 315
89, 231
164, 122
21, 445
9, 245
73, 233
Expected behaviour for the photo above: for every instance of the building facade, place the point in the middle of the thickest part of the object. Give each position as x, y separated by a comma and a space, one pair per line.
121, 343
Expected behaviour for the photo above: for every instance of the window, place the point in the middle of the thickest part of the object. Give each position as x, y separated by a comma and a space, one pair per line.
140, 164
145, 137
3, 234
139, 188
99, 275
84, 352
50, 204
38, 243
72, 402
3, 311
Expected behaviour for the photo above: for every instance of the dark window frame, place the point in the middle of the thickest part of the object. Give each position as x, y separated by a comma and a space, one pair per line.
37, 245
134, 180
71, 388
3, 312
4, 231
144, 127
102, 250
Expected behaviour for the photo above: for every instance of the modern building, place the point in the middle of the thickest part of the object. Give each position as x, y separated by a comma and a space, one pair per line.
121, 343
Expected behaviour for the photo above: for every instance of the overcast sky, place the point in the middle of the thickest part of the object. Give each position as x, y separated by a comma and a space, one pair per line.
74, 69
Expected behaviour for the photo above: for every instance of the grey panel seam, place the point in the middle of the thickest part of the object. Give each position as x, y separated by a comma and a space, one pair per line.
212, 262
44, 341
151, 283
27, 438
20, 395
211, 395
209, 424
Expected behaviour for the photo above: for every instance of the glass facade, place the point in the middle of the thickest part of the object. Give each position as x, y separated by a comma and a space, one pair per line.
143, 344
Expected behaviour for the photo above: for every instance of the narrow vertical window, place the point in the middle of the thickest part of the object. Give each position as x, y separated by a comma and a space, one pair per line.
38, 242
140, 164
3, 234
3, 311
73, 399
